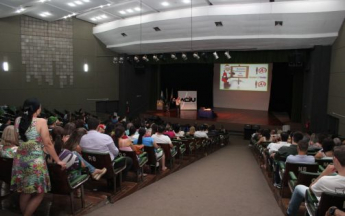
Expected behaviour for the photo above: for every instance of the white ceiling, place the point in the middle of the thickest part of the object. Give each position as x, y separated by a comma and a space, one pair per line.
247, 24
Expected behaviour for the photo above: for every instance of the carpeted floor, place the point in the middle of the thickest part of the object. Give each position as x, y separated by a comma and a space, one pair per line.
227, 182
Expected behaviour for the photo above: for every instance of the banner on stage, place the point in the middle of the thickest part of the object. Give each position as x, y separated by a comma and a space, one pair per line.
188, 100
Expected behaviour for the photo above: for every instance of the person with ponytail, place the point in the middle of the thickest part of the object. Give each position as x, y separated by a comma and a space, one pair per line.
29, 172
147, 140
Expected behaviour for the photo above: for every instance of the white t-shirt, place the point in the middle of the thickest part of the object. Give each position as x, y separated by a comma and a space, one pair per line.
200, 134
274, 147
161, 138
333, 184
98, 142
300, 159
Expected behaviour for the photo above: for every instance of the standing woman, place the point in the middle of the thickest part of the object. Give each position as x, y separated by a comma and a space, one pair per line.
30, 175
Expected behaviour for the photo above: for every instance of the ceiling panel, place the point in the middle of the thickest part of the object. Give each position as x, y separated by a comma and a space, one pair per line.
129, 9
97, 16
79, 5
173, 4
55, 13
17, 3
6, 11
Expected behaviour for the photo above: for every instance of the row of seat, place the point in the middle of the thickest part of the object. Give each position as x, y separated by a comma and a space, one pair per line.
183, 148
293, 174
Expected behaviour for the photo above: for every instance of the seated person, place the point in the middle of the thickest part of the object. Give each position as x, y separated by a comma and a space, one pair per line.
265, 136
327, 149
201, 133
274, 147
147, 140
9, 142
74, 161
316, 141
72, 143
324, 183
160, 138
52, 122
301, 157
5, 122
191, 131
98, 142
169, 132
133, 134
177, 131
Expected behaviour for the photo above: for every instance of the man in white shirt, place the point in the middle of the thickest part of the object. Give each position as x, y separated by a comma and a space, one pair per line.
201, 133
274, 147
301, 157
97, 142
324, 183
159, 137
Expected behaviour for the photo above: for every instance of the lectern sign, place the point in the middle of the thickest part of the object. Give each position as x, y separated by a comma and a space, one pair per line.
188, 100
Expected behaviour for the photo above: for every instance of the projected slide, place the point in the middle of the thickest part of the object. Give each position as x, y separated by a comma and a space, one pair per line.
244, 77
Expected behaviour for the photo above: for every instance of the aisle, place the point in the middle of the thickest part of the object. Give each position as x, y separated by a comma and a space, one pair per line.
228, 182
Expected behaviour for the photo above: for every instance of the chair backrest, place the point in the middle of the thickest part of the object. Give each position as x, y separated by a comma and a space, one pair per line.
58, 179
166, 149
306, 178
324, 162
265, 144
296, 168
100, 160
6, 169
133, 156
151, 154
330, 199
177, 143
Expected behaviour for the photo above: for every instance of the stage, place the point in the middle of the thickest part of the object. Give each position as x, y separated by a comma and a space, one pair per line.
231, 119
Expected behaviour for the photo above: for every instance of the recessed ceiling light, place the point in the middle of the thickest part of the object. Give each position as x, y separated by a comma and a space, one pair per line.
104, 16
99, 17
137, 9
186, 1
93, 19
78, 2
165, 4
71, 4
124, 34
20, 10
122, 12
86, 0
219, 24
156, 28
129, 10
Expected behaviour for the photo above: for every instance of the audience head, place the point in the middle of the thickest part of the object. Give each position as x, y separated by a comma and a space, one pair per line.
109, 128
154, 128
142, 132
327, 145
337, 141
92, 123
177, 128
30, 107
74, 140
192, 130
321, 137
132, 130
266, 133
297, 136
119, 131
284, 136
160, 129
69, 128
6, 121
9, 136
339, 155
57, 134
302, 146
52, 121
79, 123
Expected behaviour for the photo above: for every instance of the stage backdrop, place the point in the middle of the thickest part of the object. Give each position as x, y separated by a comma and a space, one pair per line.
256, 98
188, 100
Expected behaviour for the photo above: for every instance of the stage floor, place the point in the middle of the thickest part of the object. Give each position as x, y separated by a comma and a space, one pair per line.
232, 119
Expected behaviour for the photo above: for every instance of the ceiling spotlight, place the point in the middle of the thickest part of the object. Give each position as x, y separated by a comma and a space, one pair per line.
173, 56
145, 58
227, 55
155, 58
136, 59
5, 66
215, 55
196, 56
184, 56
121, 59
115, 60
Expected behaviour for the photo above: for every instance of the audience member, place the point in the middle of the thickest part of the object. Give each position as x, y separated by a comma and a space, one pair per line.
5, 122
73, 142
191, 131
9, 142
274, 147
327, 149
324, 183
169, 132
52, 122
301, 157
160, 138
200, 133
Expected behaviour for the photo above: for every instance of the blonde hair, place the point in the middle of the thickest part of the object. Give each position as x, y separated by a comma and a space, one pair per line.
9, 136
192, 130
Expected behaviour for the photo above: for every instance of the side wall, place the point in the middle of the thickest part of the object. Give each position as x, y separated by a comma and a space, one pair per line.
54, 72
336, 94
